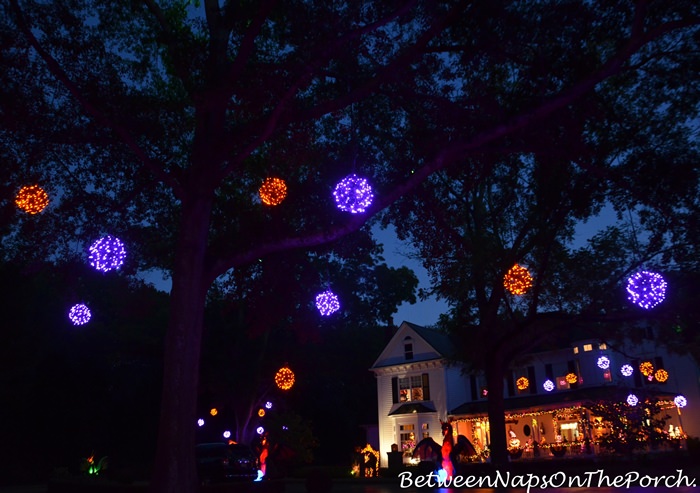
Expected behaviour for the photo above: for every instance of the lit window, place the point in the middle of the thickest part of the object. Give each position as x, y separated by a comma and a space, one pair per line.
588, 347
576, 350
407, 438
603, 346
414, 388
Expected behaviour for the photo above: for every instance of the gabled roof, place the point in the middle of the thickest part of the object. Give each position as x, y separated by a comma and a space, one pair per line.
429, 345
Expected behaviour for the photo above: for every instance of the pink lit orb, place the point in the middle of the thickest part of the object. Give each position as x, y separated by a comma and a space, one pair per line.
107, 253
646, 289
327, 303
79, 314
353, 194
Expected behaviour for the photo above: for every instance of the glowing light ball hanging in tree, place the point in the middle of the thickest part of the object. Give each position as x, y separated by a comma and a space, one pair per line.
647, 368
107, 253
327, 303
603, 363
268, 405
260, 430
680, 401
261, 412
522, 383
626, 370
571, 378
214, 411
632, 400
661, 375
273, 191
200, 422
353, 194
32, 199
646, 289
284, 378
79, 314
548, 385
227, 434
517, 280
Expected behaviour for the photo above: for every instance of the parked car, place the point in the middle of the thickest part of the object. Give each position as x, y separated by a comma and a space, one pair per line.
222, 461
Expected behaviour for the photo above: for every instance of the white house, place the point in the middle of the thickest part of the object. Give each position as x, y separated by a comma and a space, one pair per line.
548, 399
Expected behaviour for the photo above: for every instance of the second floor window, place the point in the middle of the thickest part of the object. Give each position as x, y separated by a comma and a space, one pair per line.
411, 388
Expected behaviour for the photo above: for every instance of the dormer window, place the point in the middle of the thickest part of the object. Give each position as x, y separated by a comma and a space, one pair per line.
408, 348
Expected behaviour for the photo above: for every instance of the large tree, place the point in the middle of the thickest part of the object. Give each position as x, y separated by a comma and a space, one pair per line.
157, 121
627, 151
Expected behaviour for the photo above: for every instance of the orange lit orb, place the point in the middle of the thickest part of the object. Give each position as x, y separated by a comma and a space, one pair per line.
261, 412
661, 375
517, 280
32, 199
214, 411
647, 368
571, 378
522, 383
273, 191
284, 378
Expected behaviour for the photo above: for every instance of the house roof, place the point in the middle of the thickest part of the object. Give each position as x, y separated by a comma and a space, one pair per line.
560, 399
413, 407
440, 346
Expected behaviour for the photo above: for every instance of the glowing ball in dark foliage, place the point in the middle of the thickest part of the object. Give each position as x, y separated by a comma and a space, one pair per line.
517, 280
646, 289
273, 191
284, 378
107, 253
327, 303
353, 194
79, 314
32, 199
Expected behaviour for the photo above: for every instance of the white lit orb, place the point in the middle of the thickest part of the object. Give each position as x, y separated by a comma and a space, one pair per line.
626, 370
353, 194
268, 405
646, 289
632, 400
327, 303
200, 422
79, 314
107, 253
548, 385
260, 430
680, 401
227, 434
603, 363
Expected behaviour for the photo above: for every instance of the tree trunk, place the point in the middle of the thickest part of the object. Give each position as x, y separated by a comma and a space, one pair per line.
495, 375
174, 468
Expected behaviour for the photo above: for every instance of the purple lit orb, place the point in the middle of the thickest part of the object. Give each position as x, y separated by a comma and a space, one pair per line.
603, 363
268, 405
107, 253
200, 422
646, 289
353, 194
327, 303
79, 314
632, 400
227, 434
260, 430
626, 370
680, 401
548, 385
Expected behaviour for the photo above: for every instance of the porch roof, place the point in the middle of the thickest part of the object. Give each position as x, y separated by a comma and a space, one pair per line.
558, 399
412, 407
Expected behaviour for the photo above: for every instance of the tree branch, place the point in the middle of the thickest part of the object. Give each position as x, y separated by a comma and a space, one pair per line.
91, 109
